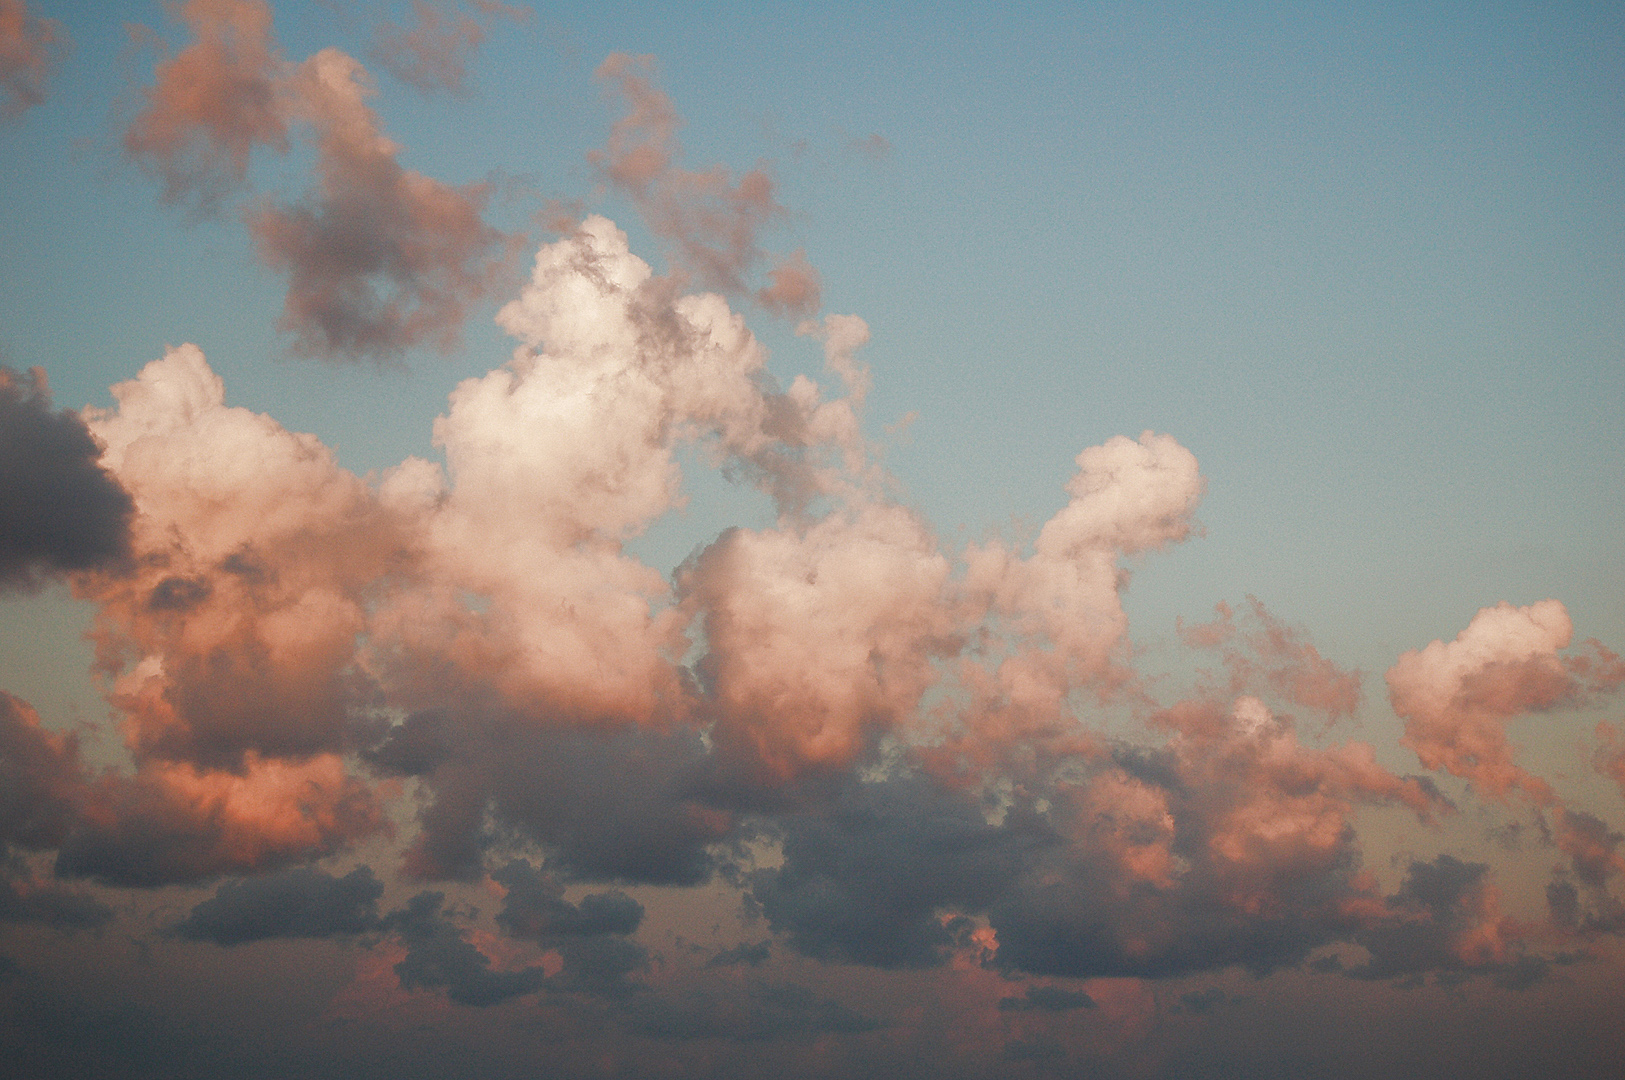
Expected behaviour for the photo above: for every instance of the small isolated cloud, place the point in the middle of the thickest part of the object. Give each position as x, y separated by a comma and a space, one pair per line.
874, 146
1047, 999
433, 52
745, 954
212, 103
60, 511
299, 903
29, 48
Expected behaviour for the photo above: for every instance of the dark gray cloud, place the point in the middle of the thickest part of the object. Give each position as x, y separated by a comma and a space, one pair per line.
1047, 999
535, 907
610, 806
438, 957
863, 879
773, 1011
59, 510
41, 779
300, 903
25, 897
751, 954
1447, 926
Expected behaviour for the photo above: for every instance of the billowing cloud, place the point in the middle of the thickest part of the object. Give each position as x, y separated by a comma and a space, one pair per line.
59, 509
1457, 698
253, 549
1451, 920
29, 45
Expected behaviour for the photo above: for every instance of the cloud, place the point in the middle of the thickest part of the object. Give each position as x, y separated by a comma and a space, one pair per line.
535, 907
1456, 698
299, 903
42, 779
439, 958
433, 53
235, 633
746, 953
379, 258
60, 511
1263, 654
179, 823
773, 1011
873, 145
864, 880
1047, 999
29, 48
710, 219
1451, 922
606, 807
213, 103
41, 787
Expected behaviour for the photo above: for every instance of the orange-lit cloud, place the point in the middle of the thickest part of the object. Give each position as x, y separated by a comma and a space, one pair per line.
29, 47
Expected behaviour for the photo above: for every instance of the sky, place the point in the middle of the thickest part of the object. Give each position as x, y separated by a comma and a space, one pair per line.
602, 540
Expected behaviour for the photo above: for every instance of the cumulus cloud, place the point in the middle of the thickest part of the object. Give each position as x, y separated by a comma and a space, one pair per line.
60, 511
892, 751
235, 632
710, 218
910, 730
1451, 921
1457, 697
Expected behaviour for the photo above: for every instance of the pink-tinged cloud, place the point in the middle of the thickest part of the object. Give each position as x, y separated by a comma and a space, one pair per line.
235, 631
433, 52
29, 48
557, 459
820, 639
710, 218
379, 258
1457, 698
1062, 606
1261, 653
213, 103
1610, 755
